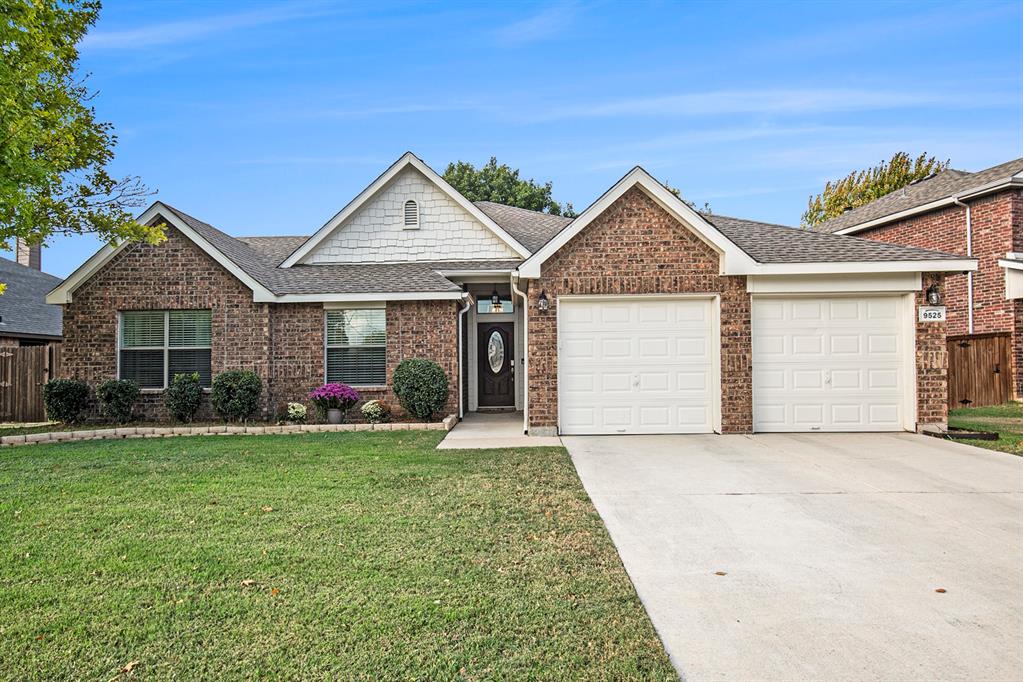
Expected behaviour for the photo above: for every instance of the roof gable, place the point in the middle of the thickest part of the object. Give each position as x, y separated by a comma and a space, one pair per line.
306, 252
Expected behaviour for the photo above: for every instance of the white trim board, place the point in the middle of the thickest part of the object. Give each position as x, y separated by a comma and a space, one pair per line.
407, 159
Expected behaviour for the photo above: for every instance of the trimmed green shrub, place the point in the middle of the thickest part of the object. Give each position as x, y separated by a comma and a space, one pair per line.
236, 394
65, 399
184, 396
421, 387
117, 398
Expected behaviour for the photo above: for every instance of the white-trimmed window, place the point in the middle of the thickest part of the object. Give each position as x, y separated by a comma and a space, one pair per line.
157, 344
411, 215
356, 351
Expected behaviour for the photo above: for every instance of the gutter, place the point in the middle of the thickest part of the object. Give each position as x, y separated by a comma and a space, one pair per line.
969, 254
525, 349
467, 298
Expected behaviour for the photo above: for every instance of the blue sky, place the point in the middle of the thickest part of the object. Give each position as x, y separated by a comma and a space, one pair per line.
267, 118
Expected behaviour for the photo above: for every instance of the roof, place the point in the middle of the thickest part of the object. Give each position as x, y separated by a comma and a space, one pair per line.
767, 243
532, 229
23, 307
944, 185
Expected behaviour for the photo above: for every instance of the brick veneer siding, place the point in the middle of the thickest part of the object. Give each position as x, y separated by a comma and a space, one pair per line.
997, 228
635, 247
931, 365
282, 343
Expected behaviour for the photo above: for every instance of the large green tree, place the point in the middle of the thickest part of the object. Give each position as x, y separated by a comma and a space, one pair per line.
501, 184
54, 154
862, 187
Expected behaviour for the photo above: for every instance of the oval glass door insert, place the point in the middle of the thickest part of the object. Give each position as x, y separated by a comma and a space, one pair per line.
495, 351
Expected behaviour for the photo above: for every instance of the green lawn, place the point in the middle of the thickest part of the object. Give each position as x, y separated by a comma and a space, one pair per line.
354, 555
1006, 419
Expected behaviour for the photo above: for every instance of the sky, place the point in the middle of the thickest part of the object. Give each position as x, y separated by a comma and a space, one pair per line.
267, 118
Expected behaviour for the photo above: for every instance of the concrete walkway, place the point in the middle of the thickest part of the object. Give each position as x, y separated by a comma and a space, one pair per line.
790, 557
482, 430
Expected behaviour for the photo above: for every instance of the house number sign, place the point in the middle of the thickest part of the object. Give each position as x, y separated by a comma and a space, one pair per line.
932, 313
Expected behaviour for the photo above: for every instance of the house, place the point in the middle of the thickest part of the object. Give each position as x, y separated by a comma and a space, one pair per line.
26, 319
972, 214
638, 316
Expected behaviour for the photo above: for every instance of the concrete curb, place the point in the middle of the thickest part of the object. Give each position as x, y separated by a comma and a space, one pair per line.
216, 430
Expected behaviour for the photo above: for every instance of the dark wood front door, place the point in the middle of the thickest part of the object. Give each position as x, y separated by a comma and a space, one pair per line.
496, 364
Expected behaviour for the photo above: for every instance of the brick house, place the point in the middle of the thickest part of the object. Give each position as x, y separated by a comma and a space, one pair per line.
972, 214
638, 316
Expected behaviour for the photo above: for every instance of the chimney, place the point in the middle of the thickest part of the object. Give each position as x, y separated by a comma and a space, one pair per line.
31, 256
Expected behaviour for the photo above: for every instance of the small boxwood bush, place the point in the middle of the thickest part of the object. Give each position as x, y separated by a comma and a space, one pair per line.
65, 400
421, 387
117, 398
184, 396
235, 394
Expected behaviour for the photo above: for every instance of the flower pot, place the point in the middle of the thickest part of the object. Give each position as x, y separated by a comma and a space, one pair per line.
334, 416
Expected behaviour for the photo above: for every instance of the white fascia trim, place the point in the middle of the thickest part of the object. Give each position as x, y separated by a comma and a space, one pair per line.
407, 159
1014, 181
732, 255
474, 273
949, 265
63, 293
1009, 264
377, 296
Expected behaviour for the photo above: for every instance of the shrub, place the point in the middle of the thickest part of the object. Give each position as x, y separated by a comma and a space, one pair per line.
117, 398
65, 399
184, 396
297, 413
236, 394
376, 411
421, 387
334, 397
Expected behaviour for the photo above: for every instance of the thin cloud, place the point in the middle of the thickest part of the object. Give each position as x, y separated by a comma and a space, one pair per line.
312, 161
549, 23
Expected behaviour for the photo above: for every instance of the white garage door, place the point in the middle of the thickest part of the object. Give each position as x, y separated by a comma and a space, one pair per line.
829, 364
636, 365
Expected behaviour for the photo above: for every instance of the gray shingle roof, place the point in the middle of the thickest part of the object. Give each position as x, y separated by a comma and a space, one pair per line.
942, 185
532, 229
767, 243
23, 305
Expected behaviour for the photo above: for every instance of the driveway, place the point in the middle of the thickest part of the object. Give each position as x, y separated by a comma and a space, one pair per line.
832, 548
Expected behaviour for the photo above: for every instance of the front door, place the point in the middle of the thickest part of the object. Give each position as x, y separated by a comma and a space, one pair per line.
496, 364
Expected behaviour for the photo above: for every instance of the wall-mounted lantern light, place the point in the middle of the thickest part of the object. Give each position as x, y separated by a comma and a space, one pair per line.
542, 303
933, 295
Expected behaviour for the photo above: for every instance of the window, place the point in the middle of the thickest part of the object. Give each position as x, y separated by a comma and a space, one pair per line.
157, 344
411, 215
357, 347
484, 305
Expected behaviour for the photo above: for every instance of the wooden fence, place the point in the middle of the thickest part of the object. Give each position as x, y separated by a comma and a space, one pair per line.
23, 371
979, 370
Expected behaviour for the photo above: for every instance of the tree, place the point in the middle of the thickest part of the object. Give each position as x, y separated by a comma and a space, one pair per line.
501, 184
53, 152
691, 204
862, 187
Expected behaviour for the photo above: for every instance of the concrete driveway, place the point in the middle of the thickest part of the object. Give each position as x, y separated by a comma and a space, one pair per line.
832, 546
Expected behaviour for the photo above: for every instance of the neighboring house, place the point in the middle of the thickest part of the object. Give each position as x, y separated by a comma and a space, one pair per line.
975, 214
638, 316
26, 319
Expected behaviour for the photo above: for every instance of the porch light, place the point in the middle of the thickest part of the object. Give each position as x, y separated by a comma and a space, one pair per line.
933, 295
495, 298
542, 303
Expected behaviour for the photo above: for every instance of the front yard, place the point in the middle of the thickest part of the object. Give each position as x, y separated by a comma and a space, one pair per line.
1006, 419
359, 555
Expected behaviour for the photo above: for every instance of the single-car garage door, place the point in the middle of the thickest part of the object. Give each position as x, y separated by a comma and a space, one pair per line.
637, 365
830, 364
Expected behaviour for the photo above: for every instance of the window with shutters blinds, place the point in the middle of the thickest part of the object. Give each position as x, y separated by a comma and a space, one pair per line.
155, 345
356, 347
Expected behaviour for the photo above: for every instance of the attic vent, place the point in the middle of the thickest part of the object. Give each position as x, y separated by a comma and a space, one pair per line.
411, 215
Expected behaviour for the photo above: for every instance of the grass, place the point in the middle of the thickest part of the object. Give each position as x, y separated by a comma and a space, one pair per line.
1006, 419
354, 555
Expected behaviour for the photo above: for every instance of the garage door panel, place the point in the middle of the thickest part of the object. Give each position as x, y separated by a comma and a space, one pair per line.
828, 364
647, 366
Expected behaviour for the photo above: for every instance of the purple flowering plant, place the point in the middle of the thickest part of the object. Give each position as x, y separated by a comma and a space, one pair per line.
334, 397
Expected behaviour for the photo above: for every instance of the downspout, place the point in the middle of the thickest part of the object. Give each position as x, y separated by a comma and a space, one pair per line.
525, 351
969, 254
461, 325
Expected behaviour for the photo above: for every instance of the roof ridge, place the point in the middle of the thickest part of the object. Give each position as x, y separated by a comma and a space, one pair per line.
519, 208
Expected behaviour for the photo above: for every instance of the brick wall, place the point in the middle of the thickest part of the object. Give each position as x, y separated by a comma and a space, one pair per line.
635, 247
282, 343
931, 364
997, 228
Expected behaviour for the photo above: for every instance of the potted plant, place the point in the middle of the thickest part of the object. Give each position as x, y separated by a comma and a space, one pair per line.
334, 400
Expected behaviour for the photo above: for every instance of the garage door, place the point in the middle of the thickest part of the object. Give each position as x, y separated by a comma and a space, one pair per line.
829, 364
636, 365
